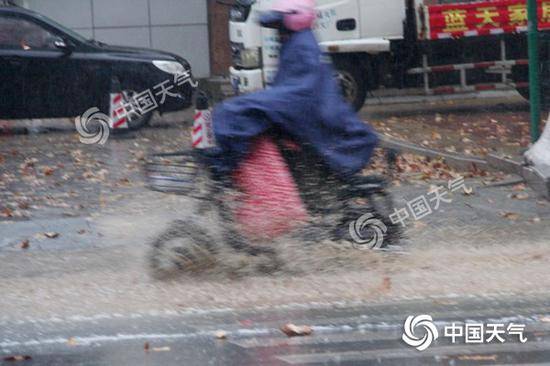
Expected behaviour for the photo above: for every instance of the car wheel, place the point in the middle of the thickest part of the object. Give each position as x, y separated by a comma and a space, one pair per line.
135, 122
353, 82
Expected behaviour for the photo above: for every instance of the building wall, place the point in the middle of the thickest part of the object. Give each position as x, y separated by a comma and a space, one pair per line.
177, 26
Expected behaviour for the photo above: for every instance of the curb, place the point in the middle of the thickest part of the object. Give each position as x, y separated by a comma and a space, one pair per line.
35, 126
456, 161
538, 178
505, 164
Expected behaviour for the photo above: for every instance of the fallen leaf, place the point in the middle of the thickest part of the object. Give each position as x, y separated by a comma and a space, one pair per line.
48, 171
520, 196
446, 302
29, 163
220, 334
292, 330
124, 181
519, 187
386, 284
161, 349
51, 235
17, 358
467, 191
246, 322
510, 215
6, 212
545, 319
436, 136
420, 225
478, 357
72, 342
25, 244
433, 188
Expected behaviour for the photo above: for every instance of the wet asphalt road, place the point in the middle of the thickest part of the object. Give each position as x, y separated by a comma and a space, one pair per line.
343, 334
84, 298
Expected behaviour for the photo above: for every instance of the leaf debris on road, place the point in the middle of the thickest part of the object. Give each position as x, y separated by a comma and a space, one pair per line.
17, 358
220, 334
25, 244
519, 196
478, 357
510, 216
161, 349
292, 330
468, 191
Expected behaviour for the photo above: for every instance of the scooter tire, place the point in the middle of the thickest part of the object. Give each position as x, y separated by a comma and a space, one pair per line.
183, 248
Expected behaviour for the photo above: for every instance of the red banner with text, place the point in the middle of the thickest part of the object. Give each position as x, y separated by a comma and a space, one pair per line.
481, 18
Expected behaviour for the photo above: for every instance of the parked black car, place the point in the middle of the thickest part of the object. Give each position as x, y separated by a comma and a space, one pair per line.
49, 71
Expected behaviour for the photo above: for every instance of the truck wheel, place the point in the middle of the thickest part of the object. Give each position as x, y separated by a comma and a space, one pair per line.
353, 81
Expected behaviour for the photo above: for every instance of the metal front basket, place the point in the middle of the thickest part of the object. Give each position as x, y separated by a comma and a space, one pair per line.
175, 173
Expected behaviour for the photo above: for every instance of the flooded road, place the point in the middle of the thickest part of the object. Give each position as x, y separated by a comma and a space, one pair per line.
76, 220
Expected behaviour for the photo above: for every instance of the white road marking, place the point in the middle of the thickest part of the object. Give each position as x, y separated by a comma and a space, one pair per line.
98, 339
6, 320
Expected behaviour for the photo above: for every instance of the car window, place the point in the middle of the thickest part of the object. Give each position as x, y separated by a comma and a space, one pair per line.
23, 34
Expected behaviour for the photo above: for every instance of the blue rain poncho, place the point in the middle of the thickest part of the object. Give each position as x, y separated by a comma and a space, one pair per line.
305, 102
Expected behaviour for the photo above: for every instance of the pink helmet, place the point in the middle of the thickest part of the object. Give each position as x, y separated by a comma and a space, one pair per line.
299, 14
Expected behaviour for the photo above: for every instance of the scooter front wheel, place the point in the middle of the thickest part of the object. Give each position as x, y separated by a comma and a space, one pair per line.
183, 248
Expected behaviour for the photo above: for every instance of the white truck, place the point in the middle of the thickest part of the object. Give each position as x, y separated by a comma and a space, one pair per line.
441, 46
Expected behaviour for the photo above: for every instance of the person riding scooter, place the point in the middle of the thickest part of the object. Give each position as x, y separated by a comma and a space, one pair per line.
304, 102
